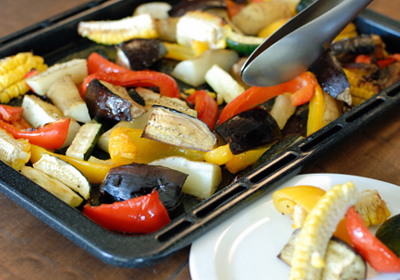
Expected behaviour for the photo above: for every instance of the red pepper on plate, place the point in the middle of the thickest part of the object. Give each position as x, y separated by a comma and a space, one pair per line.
206, 107
10, 113
377, 254
143, 214
302, 88
50, 136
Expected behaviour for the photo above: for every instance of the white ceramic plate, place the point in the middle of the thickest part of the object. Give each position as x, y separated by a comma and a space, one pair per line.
246, 245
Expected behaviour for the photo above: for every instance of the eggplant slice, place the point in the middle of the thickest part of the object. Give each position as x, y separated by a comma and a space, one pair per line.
342, 262
107, 101
198, 5
179, 129
140, 54
133, 180
249, 129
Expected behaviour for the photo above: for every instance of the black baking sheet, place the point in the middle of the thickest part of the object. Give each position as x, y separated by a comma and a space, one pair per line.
57, 37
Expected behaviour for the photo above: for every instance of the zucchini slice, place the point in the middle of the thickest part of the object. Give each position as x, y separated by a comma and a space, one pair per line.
84, 142
179, 129
243, 44
64, 172
53, 186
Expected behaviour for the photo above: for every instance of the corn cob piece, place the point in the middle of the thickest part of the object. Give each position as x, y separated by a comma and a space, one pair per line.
12, 72
204, 27
371, 207
14, 152
114, 32
321, 222
360, 88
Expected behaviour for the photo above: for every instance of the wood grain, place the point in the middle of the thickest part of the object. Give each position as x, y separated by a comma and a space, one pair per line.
29, 249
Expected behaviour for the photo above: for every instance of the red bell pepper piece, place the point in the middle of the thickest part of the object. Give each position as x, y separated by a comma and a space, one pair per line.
363, 58
50, 136
233, 8
206, 107
382, 63
97, 63
10, 113
302, 88
377, 254
144, 214
144, 78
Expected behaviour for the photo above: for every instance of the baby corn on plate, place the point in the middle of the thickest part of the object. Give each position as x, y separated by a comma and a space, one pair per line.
247, 245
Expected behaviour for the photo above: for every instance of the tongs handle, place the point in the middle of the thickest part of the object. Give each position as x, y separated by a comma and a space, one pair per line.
293, 48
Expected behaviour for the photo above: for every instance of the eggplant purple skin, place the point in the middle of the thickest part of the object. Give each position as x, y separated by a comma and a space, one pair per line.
133, 180
142, 53
249, 129
346, 50
199, 5
105, 105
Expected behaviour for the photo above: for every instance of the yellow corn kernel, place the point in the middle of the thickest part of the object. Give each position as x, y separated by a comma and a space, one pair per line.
360, 89
178, 52
372, 208
220, 155
317, 230
114, 32
14, 152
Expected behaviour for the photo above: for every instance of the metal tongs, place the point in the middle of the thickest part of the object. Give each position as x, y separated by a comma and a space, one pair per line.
295, 46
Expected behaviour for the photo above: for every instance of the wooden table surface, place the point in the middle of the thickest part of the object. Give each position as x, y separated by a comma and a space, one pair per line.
29, 249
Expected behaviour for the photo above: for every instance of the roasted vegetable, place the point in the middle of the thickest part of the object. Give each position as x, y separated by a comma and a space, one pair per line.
331, 76
192, 71
14, 152
85, 141
248, 130
260, 14
378, 255
360, 88
52, 185
371, 207
114, 32
203, 178
108, 101
140, 54
133, 180
200, 5
309, 252
342, 261
244, 45
158, 10
144, 214
65, 95
389, 234
346, 50
121, 147
179, 129
12, 72
223, 83
206, 107
38, 113
41, 83
65, 172
204, 27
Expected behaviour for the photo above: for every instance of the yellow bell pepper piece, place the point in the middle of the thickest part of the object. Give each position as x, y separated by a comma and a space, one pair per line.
271, 28
199, 47
94, 172
121, 148
316, 109
220, 155
178, 52
149, 150
348, 32
243, 160
305, 197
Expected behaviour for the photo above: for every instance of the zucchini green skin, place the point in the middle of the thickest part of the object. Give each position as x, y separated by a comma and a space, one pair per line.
242, 48
389, 234
303, 4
